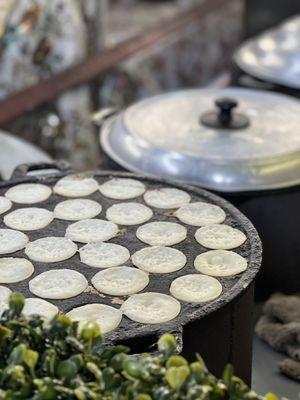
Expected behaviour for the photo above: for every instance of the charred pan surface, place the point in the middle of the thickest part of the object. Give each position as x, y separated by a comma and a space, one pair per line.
232, 286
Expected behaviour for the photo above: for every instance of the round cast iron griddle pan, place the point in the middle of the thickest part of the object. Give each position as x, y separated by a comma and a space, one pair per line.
232, 286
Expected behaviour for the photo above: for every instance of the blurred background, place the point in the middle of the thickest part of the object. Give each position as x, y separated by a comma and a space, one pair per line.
63, 60
73, 57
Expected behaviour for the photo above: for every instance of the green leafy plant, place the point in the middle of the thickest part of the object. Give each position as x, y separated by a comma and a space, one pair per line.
58, 360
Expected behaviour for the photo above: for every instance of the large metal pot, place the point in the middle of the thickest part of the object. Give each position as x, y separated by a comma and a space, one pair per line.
251, 156
274, 55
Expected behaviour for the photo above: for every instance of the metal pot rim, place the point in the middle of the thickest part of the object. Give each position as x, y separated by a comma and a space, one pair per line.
253, 173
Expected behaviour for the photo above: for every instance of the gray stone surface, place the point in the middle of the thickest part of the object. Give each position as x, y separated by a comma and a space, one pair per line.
265, 374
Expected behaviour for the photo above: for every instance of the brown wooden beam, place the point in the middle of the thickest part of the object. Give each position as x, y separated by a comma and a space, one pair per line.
49, 89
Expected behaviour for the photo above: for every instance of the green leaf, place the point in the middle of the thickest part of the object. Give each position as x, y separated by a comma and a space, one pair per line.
47, 393
109, 379
117, 361
228, 375
67, 370
132, 368
46, 389
90, 330
143, 396
17, 376
78, 360
75, 343
176, 376
92, 367
16, 355
5, 333
30, 358
198, 371
271, 396
176, 361
79, 393
20, 354
201, 361
61, 321
16, 303
167, 344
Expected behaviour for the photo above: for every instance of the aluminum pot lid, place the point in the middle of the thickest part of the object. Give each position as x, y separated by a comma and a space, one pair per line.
274, 56
15, 151
224, 139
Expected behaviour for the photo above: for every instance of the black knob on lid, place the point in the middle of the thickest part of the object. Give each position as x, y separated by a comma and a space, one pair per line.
224, 117
225, 106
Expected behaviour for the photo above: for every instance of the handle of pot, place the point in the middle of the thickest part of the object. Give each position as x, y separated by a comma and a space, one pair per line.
102, 115
224, 118
225, 106
24, 169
